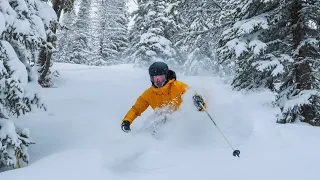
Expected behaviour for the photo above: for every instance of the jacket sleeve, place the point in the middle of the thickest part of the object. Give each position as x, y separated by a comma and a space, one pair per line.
137, 109
184, 87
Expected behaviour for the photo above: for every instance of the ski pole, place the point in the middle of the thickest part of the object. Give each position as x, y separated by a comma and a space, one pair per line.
235, 152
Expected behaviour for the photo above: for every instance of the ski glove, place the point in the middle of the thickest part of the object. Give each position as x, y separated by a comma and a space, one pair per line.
198, 101
125, 126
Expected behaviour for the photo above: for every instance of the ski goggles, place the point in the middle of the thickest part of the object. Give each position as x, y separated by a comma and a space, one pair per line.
158, 80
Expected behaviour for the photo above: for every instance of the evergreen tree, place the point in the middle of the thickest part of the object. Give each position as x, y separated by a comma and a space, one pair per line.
23, 29
150, 35
60, 6
45, 55
119, 27
244, 43
81, 50
65, 37
275, 47
198, 35
110, 25
299, 94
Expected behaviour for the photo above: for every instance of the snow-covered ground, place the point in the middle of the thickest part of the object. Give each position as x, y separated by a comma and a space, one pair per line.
79, 137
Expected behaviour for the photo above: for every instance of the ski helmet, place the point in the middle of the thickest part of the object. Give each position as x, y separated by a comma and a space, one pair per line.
158, 72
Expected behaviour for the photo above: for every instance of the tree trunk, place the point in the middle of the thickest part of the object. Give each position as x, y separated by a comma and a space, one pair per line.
45, 55
58, 6
44, 62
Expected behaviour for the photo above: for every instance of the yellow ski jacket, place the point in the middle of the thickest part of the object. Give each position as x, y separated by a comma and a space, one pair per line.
168, 95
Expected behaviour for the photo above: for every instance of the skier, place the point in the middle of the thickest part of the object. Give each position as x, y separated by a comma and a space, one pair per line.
165, 91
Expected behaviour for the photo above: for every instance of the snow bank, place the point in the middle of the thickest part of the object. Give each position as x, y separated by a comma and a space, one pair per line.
79, 137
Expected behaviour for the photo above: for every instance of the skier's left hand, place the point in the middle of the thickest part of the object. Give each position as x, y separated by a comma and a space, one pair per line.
198, 102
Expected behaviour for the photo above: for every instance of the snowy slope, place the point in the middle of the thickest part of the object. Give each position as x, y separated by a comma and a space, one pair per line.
79, 137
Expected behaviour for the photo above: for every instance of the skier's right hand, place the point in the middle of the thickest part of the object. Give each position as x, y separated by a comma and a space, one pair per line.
125, 126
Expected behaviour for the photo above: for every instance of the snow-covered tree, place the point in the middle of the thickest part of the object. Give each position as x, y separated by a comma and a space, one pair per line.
81, 51
45, 56
23, 26
244, 43
110, 30
275, 47
299, 94
44, 61
150, 35
65, 37
197, 38
60, 6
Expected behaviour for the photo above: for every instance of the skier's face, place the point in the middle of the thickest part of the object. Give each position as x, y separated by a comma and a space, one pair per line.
158, 80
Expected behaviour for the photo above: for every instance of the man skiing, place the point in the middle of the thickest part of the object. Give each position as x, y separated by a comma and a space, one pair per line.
165, 91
